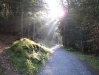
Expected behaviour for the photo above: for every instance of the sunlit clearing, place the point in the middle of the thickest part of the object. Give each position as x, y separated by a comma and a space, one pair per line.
55, 10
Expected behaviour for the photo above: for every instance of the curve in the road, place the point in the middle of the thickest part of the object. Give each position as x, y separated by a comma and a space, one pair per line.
62, 62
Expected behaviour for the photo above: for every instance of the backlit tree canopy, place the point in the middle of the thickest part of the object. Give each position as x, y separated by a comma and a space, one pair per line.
81, 26
11, 12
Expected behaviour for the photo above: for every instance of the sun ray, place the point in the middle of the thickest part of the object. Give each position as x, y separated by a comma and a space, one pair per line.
55, 9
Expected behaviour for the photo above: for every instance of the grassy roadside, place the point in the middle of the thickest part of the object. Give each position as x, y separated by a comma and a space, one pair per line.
91, 59
27, 56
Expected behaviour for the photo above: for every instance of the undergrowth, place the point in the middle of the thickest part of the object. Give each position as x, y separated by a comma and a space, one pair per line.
2, 70
47, 43
91, 59
27, 56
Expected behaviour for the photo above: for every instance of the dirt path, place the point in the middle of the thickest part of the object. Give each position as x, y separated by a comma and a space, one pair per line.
6, 40
62, 62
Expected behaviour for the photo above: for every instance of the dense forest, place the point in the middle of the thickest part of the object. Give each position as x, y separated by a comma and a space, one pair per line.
78, 27
21, 17
34, 31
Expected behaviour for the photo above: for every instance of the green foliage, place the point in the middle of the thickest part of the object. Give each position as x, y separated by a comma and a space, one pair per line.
2, 70
27, 56
70, 49
80, 26
11, 16
47, 43
91, 59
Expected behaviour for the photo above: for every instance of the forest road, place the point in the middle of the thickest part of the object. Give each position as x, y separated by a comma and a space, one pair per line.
62, 62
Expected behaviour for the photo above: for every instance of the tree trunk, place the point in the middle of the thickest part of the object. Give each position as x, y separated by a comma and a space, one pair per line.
22, 19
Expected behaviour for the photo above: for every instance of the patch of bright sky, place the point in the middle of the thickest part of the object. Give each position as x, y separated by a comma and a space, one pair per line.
55, 9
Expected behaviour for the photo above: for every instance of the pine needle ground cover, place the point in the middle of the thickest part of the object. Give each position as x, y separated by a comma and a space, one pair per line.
27, 56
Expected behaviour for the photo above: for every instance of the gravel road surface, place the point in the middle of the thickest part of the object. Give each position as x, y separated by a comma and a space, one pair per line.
62, 62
